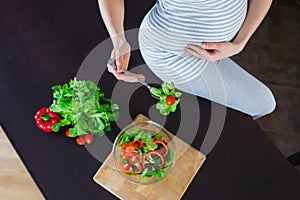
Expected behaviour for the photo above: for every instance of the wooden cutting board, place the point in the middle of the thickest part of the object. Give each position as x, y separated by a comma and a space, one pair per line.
188, 162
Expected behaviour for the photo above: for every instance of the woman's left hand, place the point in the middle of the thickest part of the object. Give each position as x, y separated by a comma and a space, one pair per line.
213, 51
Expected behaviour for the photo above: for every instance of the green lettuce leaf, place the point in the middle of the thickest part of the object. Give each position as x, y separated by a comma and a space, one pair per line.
82, 105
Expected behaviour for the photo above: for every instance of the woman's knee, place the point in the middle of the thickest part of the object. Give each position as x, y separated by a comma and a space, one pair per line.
271, 101
268, 103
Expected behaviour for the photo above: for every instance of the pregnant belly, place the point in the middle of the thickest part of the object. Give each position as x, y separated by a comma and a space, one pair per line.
172, 24
170, 27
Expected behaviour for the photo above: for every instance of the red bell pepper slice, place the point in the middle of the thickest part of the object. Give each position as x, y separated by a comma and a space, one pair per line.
150, 157
162, 147
131, 164
129, 148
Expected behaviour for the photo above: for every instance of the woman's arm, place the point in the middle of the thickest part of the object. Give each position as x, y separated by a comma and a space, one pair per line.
112, 12
256, 12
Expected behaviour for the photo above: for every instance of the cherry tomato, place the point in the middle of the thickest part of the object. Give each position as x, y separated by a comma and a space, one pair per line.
68, 133
170, 100
88, 138
80, 140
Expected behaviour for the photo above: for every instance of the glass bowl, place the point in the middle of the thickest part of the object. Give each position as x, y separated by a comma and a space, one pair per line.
144, 152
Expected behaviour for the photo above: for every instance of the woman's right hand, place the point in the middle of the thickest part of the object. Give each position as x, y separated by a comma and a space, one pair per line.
121, 55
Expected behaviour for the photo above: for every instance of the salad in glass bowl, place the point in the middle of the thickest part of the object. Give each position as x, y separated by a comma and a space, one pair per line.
144, 152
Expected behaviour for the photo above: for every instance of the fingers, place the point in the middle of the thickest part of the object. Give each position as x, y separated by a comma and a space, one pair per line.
211, 51
195, 48
192, 52
119, 60
220, 50
122, 56
210, 45
122, 62
140, 77
198, 52
214, 56
126, 77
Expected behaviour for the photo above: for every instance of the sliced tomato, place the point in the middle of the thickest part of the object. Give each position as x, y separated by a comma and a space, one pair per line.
162, 147
153, 160
131, 164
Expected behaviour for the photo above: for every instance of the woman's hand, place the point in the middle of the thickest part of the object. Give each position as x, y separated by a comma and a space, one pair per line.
214, 51
121, 55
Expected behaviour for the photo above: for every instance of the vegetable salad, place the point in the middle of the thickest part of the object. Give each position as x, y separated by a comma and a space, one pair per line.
144, 154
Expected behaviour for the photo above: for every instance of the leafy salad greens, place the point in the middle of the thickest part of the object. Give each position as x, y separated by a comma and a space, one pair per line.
144, 154
168, 98
82, 105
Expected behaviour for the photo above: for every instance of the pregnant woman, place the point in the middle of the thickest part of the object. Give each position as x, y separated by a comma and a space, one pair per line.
188, 42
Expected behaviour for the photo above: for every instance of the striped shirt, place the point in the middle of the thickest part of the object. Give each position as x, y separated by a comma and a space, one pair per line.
172, 24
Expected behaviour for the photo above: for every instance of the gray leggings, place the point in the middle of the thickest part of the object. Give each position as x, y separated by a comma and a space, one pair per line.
227, 83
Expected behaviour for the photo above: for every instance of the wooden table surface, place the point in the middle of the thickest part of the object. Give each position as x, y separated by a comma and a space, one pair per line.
15, 181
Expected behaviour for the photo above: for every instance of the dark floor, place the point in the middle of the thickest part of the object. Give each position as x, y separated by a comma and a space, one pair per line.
273, 55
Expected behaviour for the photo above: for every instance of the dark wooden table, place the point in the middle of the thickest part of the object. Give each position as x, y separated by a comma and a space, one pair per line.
43, 43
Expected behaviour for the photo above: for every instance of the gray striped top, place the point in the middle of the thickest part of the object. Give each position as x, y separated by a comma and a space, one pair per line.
172, 24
